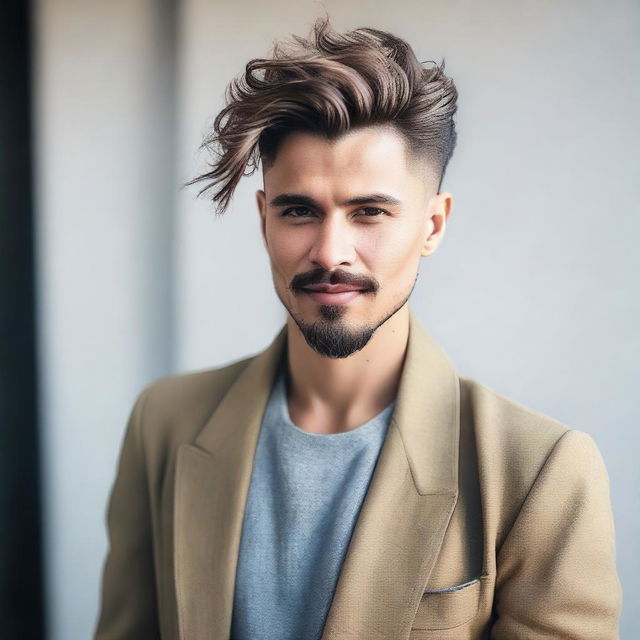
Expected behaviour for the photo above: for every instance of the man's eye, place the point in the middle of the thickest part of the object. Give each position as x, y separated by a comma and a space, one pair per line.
373, 211
305, 212
296, 212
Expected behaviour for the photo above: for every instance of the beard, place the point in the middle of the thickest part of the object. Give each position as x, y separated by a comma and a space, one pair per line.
332, 337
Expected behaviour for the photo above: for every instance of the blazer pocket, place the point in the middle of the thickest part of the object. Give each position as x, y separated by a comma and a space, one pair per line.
448, 608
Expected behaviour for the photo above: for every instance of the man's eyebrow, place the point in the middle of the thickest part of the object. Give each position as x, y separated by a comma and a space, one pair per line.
285, 199
376, 198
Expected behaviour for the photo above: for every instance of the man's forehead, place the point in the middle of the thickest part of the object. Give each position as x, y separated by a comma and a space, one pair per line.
367, 145
365, 160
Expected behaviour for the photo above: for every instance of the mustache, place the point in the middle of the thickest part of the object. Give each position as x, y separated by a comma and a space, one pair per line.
322, 276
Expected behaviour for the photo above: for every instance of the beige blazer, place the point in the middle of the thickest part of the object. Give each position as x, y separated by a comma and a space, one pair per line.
483, 519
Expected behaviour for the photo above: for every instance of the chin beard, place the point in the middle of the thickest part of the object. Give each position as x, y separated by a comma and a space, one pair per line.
335, 339
332, 337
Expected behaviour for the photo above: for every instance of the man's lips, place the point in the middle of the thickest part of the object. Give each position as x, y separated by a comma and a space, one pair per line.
331, 288
333, 293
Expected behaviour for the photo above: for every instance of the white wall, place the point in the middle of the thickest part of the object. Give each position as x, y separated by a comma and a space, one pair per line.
534, 291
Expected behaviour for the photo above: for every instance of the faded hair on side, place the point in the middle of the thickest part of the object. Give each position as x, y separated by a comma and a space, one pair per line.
329, 84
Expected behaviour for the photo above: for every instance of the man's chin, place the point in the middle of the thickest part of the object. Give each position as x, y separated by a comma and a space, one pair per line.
330, 334
336, 339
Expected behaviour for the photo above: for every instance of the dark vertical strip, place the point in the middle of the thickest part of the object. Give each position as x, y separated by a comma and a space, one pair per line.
21, 572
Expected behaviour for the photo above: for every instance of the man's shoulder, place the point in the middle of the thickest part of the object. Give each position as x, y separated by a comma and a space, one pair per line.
175, 407
197, 384
513, 436
505, 416
515, 444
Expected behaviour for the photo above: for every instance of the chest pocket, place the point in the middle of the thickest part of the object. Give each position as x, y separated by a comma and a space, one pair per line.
448, 608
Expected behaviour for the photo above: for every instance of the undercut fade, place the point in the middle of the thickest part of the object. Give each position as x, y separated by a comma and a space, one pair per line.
329, 84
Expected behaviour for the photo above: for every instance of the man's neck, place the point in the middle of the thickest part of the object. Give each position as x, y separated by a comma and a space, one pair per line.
330, 395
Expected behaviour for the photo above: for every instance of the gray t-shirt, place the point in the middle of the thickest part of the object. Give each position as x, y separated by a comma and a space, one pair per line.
304, 498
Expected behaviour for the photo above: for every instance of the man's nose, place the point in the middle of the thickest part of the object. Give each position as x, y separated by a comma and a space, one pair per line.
333, 243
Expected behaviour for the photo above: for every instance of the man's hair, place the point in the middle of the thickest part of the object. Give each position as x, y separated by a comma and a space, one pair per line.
329, 84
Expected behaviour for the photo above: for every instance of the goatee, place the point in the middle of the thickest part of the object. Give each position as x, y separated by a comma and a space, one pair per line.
333, 338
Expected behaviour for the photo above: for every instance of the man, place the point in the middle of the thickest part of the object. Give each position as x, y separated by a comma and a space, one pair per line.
348, 482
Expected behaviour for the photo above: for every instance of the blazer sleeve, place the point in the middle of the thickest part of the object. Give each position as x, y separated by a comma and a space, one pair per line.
556, 573
128, 607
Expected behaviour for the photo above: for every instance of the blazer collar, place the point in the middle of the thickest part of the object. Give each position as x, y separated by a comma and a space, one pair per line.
400, 526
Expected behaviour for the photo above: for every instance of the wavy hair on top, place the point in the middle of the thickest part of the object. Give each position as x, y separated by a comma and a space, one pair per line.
329, 84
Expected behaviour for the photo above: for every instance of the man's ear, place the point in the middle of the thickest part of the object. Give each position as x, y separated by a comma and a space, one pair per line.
438, 211
262, 210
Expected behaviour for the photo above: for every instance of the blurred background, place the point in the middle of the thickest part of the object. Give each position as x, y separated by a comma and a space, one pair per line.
112, 276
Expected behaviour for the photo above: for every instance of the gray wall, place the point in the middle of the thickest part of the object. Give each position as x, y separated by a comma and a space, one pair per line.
534, 292
105, 266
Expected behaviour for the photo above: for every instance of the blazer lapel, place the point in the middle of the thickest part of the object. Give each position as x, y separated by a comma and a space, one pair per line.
211, 486
408, 505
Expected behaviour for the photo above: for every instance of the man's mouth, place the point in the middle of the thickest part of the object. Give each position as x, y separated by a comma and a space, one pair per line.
332, 293
331, 288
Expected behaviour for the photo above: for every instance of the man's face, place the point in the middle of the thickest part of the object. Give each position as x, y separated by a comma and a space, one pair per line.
345, 224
